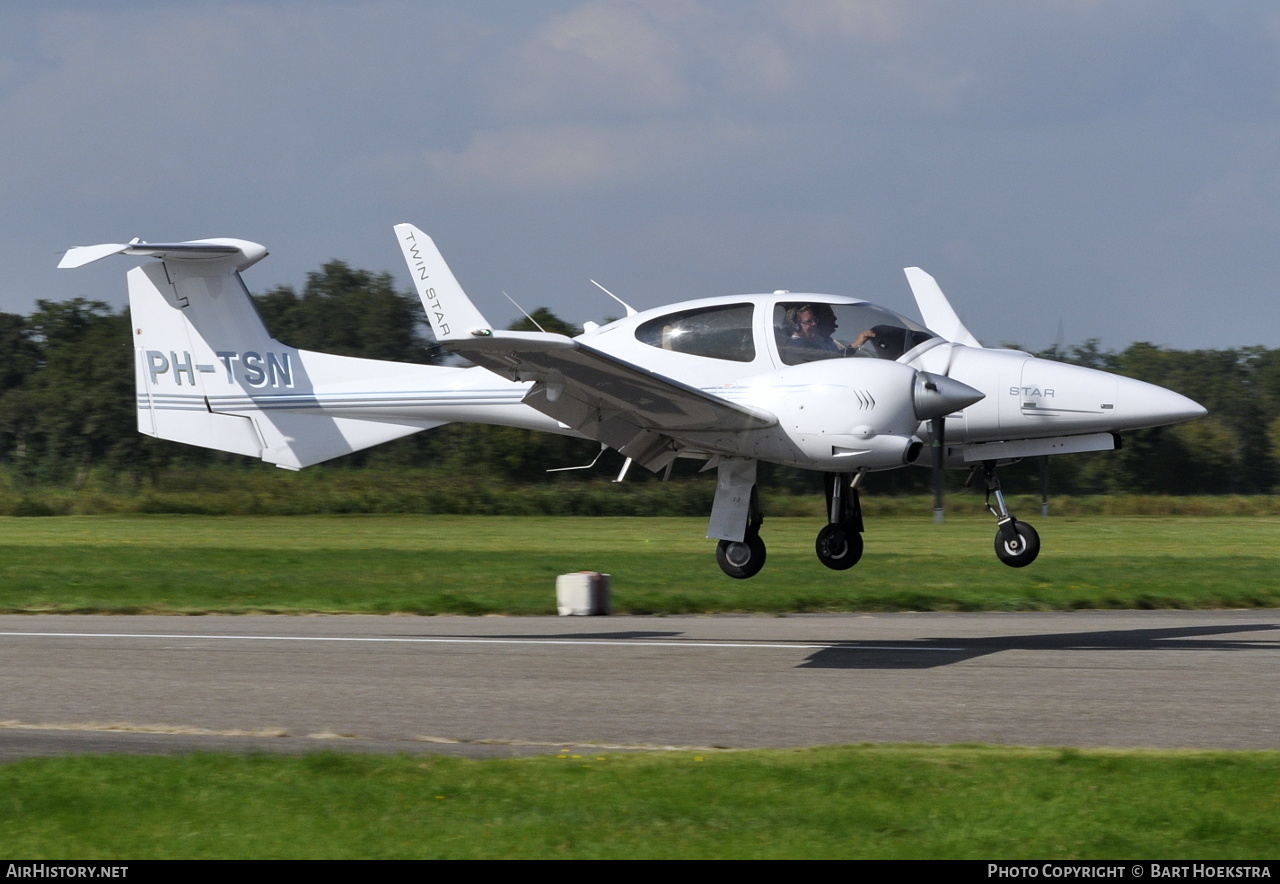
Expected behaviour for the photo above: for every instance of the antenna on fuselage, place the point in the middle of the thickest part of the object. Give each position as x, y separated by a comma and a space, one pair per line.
631, 311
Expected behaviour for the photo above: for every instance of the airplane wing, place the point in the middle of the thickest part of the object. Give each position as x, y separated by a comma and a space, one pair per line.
936, 311
643, 414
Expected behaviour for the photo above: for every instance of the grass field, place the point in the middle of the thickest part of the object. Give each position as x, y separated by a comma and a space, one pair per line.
508, 565
853, 802
856, 802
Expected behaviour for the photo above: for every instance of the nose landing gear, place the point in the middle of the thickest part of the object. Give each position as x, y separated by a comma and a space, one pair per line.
1017, 543
1020, 549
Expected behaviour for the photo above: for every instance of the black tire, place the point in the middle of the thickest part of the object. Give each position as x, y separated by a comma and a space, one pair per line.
1021, 553
741, 560
838, 547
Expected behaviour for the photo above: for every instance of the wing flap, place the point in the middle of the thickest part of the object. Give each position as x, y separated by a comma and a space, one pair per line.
639, 412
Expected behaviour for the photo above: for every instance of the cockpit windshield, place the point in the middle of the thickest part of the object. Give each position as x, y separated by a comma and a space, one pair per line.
811, 330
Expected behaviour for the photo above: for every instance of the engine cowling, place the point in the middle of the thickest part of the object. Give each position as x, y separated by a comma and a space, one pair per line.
848, 414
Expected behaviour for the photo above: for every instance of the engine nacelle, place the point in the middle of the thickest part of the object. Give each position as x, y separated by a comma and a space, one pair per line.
847, 414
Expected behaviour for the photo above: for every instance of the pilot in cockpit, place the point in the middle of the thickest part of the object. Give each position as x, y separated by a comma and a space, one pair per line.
811, 329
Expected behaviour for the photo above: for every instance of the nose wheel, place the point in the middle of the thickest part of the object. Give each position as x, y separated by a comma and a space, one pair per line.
1017, 543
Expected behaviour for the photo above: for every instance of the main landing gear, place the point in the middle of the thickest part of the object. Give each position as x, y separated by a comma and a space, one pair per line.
839, 544
736, 521
1017, 543
744, 558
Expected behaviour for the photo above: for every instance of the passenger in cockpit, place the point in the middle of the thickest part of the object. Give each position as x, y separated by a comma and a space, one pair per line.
812, 327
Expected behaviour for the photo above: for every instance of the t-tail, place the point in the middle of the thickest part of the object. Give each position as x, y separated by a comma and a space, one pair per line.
209, 373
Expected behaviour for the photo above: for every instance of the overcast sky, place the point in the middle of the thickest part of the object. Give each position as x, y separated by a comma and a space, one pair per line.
1108, 168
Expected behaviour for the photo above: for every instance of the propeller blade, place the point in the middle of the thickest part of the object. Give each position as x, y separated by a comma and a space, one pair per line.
938, 450
1044, 486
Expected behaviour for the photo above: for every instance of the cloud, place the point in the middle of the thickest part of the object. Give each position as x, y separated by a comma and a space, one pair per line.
239, 91
617, 59
602, 57
864, 21
1012, 63
575, 156
1084, 143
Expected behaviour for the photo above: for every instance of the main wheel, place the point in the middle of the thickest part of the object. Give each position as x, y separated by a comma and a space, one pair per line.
1023, 551
839, 547
741, 559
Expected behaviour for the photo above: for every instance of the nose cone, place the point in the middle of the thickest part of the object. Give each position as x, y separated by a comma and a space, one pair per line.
1140, 405
935, 395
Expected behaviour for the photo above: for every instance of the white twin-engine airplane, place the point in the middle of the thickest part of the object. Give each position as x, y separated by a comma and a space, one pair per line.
728, 380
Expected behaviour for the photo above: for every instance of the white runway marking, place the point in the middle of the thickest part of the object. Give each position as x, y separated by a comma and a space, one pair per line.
584, 642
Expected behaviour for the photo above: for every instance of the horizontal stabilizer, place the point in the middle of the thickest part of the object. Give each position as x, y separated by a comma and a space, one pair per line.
82, 255
241, 253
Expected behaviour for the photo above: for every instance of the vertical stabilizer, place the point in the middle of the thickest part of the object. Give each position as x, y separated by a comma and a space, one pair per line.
173, 361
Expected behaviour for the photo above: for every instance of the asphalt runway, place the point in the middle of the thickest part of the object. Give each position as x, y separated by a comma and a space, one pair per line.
485, 686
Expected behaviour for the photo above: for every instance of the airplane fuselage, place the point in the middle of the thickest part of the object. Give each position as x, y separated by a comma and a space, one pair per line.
834, 413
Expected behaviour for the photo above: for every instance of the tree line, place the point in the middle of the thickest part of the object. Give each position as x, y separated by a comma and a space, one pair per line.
67, 404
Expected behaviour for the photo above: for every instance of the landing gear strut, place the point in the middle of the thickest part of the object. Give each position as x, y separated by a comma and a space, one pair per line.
1017, 543
839, 544
744, 558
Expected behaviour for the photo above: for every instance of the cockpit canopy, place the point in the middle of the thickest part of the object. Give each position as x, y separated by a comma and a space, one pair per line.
725, 331
807, 331
803, 331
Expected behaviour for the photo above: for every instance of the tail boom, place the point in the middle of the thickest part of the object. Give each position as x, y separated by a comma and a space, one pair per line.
209, 373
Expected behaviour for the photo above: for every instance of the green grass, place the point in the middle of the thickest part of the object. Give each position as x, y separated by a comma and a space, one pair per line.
503, 564
858, 802
478, 565
854, 802
257, 489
